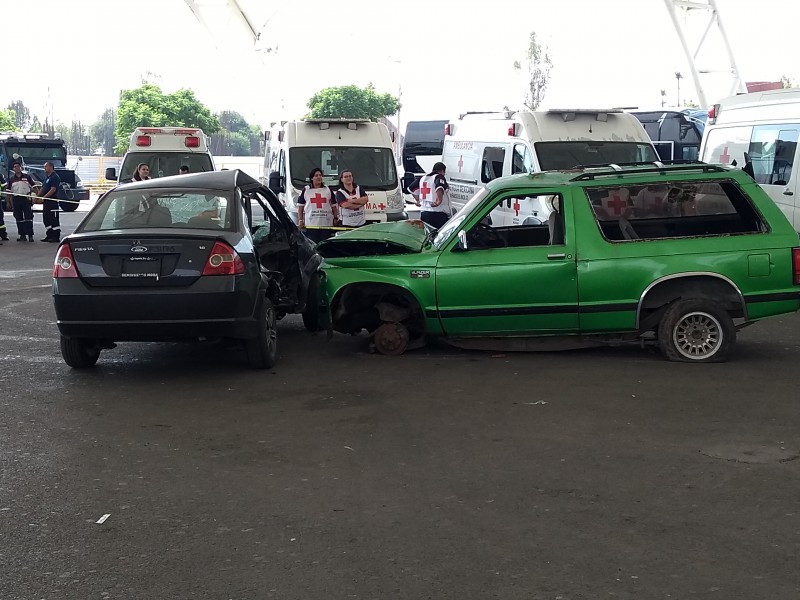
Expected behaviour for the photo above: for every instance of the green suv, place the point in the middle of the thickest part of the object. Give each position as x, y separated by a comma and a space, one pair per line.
678, 255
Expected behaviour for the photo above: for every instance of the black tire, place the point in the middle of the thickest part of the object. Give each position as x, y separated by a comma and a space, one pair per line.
696, 331
68, 206
263, 349
311, 318
79, 353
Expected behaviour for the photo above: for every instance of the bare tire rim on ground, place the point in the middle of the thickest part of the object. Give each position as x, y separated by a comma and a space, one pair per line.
697, 336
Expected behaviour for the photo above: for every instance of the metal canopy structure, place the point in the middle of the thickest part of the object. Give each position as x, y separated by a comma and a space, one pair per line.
699, 9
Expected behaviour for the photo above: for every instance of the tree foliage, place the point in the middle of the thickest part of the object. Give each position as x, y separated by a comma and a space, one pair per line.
236, 136
148, 106
352, 102
102, 132
22, 115
7, 120
537, 72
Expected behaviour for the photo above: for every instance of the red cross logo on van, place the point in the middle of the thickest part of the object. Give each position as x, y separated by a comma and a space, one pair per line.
516, 207
725, 158
460, 162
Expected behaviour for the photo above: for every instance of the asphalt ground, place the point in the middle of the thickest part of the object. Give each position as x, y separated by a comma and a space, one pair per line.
173, 471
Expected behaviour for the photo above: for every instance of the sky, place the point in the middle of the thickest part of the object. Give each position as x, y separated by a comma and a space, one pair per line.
443, 57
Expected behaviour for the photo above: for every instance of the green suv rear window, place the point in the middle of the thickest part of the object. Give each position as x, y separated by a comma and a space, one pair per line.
673, 209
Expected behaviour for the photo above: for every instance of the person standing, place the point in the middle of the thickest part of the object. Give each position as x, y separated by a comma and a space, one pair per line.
184, 170
434, 195
50, 209
3, 232
316, 208
18, 199
351, 200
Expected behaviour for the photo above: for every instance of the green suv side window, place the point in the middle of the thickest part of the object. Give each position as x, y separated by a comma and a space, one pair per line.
673, 210
518, 221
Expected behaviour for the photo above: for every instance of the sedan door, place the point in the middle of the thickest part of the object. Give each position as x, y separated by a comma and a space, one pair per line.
510, 279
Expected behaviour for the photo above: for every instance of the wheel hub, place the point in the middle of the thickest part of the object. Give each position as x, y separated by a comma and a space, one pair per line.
698, 335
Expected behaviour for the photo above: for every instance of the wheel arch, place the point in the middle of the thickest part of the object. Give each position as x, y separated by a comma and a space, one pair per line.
353, 307
665, 290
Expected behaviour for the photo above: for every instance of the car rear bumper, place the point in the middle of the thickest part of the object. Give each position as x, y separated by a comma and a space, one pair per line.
207, 309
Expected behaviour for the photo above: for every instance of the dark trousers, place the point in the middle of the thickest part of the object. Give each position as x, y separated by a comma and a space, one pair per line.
50, 215
434, 219
3, 232
23, 213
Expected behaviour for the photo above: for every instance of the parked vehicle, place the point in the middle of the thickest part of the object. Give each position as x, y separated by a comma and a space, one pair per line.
365, 147
676, 134
422, 148
678, 256
33, 150
759, 132
165, 150
479, 147
190, 257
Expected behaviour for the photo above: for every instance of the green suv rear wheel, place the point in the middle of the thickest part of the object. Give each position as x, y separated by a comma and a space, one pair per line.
696, 330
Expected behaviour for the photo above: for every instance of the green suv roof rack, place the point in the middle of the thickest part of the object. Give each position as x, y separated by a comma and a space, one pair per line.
619, 169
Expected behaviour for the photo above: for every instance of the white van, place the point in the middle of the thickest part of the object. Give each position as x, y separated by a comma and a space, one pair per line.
165, 150
294, 148
479, 147
762, 129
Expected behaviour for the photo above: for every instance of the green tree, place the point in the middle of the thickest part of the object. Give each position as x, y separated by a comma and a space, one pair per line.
537, 72
148, 106
22, 114
352, 102
7, 120
787, 82
102, 133
236, 137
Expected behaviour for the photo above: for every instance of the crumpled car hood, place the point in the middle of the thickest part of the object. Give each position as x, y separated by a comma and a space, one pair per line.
400, 237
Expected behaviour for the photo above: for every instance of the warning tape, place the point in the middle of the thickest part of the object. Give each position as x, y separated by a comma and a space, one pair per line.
42, 198
330, 228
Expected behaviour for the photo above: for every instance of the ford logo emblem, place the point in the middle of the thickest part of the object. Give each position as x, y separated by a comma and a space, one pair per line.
139, 249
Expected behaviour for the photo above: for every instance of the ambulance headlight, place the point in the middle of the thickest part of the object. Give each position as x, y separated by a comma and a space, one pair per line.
394, 201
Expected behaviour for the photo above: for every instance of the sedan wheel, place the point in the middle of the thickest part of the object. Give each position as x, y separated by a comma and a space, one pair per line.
263, 349
79, 353
696, 331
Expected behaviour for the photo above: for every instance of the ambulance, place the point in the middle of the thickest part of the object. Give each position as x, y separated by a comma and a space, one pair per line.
480, 147
294, 148
165, 150
759, 131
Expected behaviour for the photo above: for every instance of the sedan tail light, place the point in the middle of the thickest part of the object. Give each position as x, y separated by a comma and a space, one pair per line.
64, 265
223, 260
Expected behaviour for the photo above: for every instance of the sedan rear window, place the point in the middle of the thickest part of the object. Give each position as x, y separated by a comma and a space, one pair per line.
181, 209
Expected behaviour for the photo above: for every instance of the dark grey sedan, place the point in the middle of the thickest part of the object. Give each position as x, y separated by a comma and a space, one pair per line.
204, 256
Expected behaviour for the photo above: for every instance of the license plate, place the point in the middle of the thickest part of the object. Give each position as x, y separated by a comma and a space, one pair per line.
141, 266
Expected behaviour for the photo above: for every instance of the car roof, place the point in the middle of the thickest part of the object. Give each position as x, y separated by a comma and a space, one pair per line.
613, 175
214, 180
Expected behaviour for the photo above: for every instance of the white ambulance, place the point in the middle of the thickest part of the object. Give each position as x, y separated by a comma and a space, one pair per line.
479, 147
294, 148
165, 150
761, 129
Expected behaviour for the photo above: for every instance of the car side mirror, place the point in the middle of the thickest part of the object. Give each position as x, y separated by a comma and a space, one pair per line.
275, 183
111, 174
462, 240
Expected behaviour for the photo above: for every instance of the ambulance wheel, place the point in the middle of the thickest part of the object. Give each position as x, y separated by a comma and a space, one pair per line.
311, 313
79, 353
695, 330
391, 339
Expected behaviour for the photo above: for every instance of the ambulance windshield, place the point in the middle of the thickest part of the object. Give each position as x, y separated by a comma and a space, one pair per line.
555, 156
373, 168
164, 164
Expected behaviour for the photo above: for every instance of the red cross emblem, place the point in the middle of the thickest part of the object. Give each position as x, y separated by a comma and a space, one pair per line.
460, 162
725, 158
381, 206
424, 190
318, 200
617, 204
516, 207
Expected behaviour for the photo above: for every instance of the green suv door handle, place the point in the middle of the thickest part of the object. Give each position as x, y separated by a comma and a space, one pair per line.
561, 256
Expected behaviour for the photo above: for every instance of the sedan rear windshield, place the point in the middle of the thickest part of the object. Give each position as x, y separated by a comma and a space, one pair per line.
170, 208
554, 156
